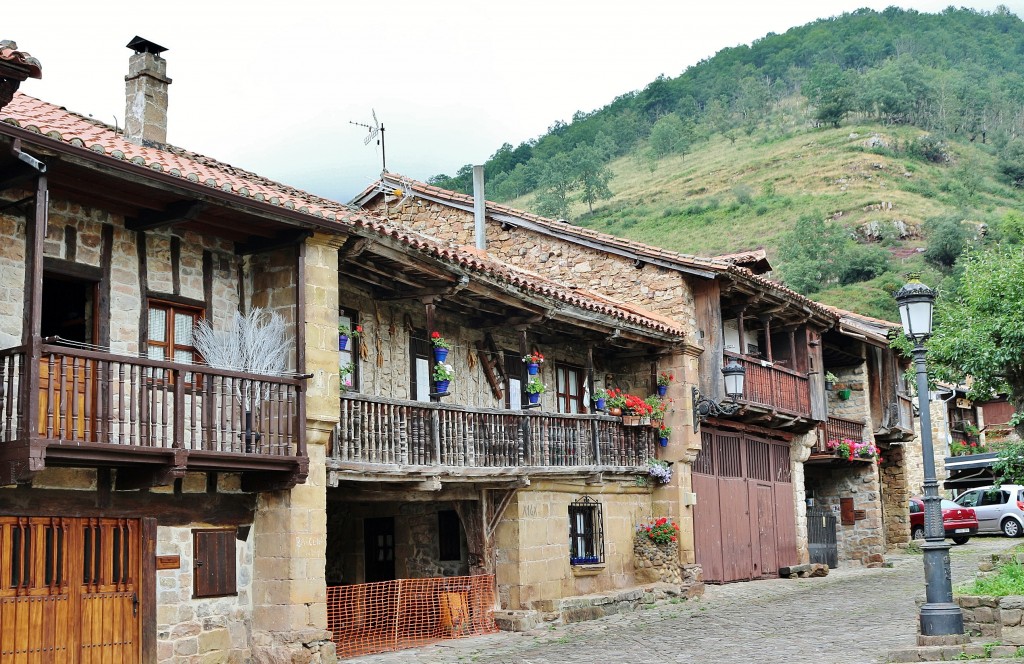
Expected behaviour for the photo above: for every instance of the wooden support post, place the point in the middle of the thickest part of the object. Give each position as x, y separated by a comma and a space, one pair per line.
767, 322
300, 346
35, 236
742, 332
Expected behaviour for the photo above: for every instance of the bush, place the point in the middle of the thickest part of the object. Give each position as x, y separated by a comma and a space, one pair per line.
863, 262
947, 239
744, 194
928, 148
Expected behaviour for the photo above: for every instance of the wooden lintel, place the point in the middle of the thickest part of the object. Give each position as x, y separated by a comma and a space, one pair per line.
257, 481
175, 213
145, 478
281, 241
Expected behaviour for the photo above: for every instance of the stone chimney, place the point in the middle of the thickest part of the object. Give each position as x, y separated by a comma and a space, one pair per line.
145, 89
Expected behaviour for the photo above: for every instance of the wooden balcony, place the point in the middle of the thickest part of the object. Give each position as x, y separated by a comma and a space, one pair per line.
837, 428
774, 387
160, 419
382, 436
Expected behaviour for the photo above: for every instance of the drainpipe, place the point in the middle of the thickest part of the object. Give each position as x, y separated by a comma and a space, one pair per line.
479, 207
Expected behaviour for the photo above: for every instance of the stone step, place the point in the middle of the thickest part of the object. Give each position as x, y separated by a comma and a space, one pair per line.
951, 653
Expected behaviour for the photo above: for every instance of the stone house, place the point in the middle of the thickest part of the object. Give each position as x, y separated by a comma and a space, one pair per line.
732, 313
154, 508
748, 462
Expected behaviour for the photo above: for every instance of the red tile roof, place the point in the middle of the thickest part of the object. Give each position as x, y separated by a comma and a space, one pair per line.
612, 241
10, 53
59, 124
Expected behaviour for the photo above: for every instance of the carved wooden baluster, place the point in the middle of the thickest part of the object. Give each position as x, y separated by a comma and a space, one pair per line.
225, 444
73, 397
8, 393
89, 385
193, 432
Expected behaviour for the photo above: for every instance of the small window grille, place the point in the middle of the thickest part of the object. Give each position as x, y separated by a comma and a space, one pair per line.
586, 532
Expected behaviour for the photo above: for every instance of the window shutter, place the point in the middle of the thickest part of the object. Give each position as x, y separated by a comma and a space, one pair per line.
213, 562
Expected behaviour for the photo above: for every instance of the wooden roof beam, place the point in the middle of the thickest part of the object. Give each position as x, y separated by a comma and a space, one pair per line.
174, 214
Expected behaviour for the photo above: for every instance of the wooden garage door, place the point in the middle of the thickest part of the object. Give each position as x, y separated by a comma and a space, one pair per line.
68, 590
744, 519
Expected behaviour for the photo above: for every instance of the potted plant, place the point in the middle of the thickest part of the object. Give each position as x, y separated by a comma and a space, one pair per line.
443, 374
533, 362
664, 433
658, 408
441, 346
600, 399
535, 388
616, 402
345, 375
664, 380
659, 471
830, 380
843, 394
636, 412
345, 333
661, 531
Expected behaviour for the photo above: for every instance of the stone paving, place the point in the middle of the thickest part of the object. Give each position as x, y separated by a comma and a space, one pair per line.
853, 616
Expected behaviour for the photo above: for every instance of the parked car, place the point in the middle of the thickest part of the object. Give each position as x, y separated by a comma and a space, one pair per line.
959, 522
998, 510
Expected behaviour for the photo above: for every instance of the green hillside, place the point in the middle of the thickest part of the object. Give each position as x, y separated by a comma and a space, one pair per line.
892, 139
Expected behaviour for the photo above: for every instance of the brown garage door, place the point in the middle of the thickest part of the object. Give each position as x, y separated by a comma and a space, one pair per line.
744, 519
68, 590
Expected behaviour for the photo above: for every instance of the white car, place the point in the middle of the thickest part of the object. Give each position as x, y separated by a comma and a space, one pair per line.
998, 510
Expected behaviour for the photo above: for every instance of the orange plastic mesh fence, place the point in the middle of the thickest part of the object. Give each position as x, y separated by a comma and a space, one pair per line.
390, 615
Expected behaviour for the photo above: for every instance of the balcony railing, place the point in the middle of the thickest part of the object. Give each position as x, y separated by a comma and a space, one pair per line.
839, 428
90, 399
774, 387
379, 430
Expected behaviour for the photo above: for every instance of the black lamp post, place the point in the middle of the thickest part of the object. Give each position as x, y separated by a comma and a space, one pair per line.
939, 614
703, 407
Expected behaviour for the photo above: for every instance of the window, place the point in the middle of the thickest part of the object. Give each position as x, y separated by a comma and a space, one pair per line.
213, 563
421, 359
449, 535
993, 497
170, 332
569, 389
969, 499
515, 371
586, 532
348, 357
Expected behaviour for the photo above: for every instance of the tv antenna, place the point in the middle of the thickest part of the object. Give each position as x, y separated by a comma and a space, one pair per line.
372, 132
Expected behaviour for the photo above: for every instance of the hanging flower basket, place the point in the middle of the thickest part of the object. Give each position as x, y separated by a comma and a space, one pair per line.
342, 342
440, 354
662, 390
663, 441
843, 394
599, 404
535, 397
441, 386
532, 368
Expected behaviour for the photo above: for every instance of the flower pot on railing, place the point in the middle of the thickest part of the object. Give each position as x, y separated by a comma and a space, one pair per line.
535, 397
441, 386
440, 354
663, 441
342, 342
615, 412
599, 405
657, 424
631, 420
662, 390
645, 421
532, 368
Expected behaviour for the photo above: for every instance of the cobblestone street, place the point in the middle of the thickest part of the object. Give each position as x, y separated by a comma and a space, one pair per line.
853, 616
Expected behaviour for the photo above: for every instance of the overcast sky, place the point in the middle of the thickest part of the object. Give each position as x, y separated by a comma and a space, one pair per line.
272, 86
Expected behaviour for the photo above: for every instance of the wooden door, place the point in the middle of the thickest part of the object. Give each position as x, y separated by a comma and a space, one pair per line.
69, 590
767, 555
379, 539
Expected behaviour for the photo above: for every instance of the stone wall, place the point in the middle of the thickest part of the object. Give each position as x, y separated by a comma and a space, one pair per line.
912, 450
858, 406
532, 544
215, 629
656, 562
895, 497
864, 540
999, 619
417, 549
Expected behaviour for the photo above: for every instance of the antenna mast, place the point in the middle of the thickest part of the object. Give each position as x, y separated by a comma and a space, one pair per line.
372, 132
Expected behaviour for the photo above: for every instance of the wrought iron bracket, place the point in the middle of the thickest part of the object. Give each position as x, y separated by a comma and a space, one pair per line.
703, 408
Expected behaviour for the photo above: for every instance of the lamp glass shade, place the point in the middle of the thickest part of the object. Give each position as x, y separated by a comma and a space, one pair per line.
916, 301
734, 374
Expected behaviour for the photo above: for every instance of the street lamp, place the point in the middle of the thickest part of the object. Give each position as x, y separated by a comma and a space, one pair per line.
703, 407
939, 614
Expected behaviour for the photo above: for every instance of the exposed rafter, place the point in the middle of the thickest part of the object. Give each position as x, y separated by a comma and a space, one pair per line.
176, 213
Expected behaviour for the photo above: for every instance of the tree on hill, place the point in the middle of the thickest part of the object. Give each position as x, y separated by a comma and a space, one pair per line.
556, 182
830, 90
979, 328
817, 254
592, 175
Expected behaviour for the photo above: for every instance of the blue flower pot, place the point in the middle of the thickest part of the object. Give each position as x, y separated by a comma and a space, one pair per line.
533, 368
662, 390
600, 404
663, 441
441, 386
440, 354
342, 342
535, 398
